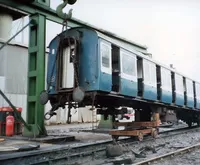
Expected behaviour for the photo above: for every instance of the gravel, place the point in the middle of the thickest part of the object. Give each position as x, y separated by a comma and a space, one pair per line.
188, 158
160, 145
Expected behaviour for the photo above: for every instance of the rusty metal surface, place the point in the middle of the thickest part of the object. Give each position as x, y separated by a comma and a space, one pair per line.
139, 124
130, 132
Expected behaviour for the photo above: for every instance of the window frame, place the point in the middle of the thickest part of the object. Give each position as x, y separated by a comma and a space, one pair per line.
189, 88
132, 77
152, 78
165, 77
197, 88
104, 69
177, 83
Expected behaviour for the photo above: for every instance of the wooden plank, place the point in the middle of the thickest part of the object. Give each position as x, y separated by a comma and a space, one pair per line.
130, 133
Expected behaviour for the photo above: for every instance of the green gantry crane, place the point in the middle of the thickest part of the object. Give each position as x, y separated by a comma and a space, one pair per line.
39, 11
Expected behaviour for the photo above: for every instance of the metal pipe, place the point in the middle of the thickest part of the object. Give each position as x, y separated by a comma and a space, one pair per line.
6, 25
2, 46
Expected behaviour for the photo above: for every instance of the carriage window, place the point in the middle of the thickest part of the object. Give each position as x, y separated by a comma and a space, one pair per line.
147, 75
189, 86
166, 79
197, 86
149, 72
179, 84
128, 64
105, 55
153, 74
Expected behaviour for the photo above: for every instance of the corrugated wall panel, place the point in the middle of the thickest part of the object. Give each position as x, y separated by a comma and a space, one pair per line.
16, 70
17, 100
3, 60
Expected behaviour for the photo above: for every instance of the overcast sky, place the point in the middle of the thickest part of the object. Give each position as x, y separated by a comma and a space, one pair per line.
169, 28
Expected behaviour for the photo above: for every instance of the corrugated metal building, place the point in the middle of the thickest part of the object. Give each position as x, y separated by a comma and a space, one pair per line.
13, 72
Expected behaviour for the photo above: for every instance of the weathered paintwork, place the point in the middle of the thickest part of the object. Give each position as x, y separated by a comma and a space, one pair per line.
105, 82
91, 77
166, 96
88, 66
198, 103
190, 102
179, 99
128, 88
150, 92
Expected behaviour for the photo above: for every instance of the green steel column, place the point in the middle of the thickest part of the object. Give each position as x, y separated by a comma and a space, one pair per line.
36, 76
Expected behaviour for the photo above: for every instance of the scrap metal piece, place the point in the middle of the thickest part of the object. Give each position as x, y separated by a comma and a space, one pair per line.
78, 94
44, 97
114, 150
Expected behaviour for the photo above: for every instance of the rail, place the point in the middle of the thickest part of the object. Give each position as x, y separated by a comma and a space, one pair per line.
64, 154
173, 153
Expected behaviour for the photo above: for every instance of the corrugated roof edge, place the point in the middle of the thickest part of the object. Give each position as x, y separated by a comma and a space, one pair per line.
14, 43
2, 41
77, 21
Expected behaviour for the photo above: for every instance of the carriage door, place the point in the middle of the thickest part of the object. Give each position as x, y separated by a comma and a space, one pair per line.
68, 68
105, 83
128, 81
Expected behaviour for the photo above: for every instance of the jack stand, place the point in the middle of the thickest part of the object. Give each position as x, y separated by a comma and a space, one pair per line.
69, 116
106, 123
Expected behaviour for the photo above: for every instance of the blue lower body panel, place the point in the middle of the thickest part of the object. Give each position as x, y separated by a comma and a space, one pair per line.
198, 104
150, 93
179, 99
128, 88
166, 96
190, 102
105, 83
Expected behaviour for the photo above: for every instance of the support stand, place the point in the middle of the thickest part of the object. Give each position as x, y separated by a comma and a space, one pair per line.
36, 77
138, 129
69, 116
106, 123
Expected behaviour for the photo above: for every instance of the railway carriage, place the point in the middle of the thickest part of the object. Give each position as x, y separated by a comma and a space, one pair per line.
93, 68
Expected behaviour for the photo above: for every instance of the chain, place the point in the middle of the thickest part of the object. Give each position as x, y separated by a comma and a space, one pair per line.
57, 51
74, 57
75, 63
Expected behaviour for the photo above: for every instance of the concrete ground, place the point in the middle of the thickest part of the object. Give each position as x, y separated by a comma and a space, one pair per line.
55, 131
82, 132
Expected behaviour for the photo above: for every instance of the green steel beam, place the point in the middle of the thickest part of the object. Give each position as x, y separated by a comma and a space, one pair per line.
36, 76
36, 7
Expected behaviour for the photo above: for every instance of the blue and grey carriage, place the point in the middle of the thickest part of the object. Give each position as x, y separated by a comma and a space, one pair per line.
88, 67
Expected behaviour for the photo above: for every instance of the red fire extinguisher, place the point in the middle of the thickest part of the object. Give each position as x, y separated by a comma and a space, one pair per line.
10, 125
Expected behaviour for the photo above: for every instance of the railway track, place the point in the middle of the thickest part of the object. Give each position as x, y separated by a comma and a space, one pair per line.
169, 155
70, 155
